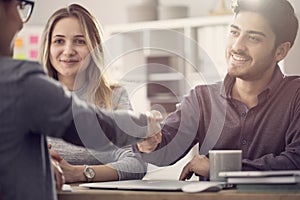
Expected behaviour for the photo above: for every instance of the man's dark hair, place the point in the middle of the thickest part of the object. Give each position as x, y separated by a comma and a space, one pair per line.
279, 13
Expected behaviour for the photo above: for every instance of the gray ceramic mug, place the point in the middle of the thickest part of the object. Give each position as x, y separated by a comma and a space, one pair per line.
223, 160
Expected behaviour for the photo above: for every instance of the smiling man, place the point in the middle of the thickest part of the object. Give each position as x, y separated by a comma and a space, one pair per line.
256, 108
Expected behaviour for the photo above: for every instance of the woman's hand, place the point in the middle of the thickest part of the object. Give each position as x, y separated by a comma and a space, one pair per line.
57, 171
58, 174
72, 173
54, 155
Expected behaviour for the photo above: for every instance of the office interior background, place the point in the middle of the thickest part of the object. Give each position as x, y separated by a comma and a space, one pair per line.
164, 48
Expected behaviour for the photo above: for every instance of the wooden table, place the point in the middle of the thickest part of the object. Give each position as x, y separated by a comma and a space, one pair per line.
79, 193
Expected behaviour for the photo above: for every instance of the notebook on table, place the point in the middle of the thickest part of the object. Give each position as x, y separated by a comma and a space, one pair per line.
262, 177
259, 173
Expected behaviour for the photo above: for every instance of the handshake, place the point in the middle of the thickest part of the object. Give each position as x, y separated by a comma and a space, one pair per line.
154, 136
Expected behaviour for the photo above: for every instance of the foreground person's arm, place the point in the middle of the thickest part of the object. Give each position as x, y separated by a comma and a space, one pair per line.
65, 116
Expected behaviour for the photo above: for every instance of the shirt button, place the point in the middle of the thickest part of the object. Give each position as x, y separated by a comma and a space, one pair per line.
244, 142
243, 114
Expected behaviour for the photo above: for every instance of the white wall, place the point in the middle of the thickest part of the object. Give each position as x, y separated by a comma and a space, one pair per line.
296, 5
107, 12
115, 11
112, 11
291, 65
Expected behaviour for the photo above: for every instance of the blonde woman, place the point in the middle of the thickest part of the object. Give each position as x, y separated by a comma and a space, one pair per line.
72, 53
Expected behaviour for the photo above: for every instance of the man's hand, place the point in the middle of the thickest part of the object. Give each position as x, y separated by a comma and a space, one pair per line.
154, 118
198, 165
154, 132
150, 143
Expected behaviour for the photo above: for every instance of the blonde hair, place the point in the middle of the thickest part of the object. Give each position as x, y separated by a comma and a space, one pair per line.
99, 90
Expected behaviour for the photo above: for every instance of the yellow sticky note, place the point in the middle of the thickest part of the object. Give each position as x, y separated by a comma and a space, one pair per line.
20, 56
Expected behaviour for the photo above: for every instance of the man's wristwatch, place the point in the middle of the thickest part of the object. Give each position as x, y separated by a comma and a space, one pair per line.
89, 173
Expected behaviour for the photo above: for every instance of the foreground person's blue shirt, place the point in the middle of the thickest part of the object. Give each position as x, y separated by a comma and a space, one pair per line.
268, 134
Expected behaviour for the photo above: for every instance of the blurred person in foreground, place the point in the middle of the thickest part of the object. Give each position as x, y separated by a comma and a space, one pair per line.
34, 106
